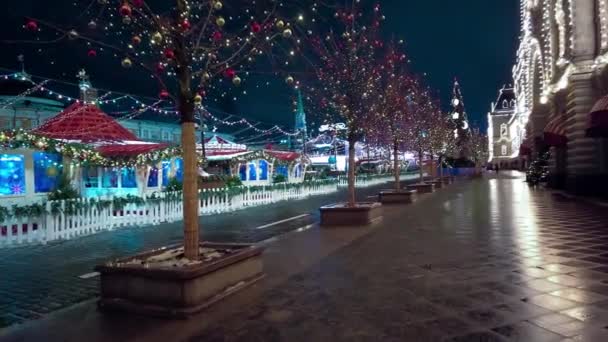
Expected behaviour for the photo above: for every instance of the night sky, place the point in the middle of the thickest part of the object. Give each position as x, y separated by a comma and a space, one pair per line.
473, 40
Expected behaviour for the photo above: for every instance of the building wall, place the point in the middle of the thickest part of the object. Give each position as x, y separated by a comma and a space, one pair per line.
561, 71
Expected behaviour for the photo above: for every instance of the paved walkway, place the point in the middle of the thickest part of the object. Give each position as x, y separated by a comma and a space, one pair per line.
37, 280
485, 260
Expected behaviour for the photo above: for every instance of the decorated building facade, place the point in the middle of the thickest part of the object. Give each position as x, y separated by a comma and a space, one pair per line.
504, 133
561, 84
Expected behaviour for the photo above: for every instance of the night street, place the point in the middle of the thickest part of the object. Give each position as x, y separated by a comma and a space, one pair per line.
55, 280
483, 260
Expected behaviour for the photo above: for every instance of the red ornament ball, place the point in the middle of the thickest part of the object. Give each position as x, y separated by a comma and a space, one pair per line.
136, 40
92, 53
216, 36
255, 27
230, 73
137, 3
185, 25
125, 10
163, 94
31, 25
169, 53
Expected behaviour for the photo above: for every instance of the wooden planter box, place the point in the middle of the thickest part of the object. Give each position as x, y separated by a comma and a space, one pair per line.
422, 188
177, 292
340, 215
394, 197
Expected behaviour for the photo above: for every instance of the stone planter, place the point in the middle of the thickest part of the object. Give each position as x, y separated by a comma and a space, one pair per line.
422, 188
394, 197
177, 292
340, 214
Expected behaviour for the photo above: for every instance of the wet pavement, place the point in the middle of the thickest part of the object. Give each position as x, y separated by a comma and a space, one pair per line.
37, 280
486, 260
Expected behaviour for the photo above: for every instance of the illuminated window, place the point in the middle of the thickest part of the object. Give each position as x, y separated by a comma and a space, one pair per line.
503, 150
91, 177
243, 172
253, 175
109, 178
505, 104
47, 170
503, 130
263, 170
128, 178
12, 174
153, 178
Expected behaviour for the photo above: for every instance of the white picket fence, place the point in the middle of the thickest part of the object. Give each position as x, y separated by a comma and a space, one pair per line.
168, 208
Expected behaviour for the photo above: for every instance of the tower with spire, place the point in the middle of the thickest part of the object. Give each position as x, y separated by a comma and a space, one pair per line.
300, 121
462, 131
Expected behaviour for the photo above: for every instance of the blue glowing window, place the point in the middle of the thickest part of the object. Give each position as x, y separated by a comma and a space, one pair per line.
263, 170
12, 174
243, 172
47, 170
153, 178
282, 170
179, 169
253, 175
109, 178
128, 178
166, 170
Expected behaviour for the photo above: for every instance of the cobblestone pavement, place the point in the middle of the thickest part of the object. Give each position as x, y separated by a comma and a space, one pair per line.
489, 260
36, 280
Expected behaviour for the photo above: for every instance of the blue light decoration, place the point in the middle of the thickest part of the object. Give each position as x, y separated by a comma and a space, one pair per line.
179, 169
12, 174
47, 171
109, 178
243, 172
263, 170
128, 178
166, 170
282, 170
153, 178
253, 174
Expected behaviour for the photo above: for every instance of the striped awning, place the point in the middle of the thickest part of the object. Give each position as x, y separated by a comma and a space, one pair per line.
598, 119
555, 131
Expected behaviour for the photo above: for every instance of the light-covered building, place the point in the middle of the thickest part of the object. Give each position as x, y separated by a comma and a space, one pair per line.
561, 84
504, 133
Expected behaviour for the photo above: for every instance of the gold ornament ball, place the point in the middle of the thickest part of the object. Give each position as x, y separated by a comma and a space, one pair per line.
206, 76
289, 80
126, 63
287, 33
198, 99
236, 81
280, 24
218, 5
157, 38
220, 21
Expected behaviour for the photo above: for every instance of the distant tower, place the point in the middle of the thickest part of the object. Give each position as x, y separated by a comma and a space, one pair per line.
300, 125
462, 131
88, 94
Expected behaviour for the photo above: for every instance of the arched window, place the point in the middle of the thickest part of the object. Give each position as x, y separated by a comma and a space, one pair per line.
512, 103
253, 172
297, 171
503, 150
505, 104
263, 170
243, 172
503, 130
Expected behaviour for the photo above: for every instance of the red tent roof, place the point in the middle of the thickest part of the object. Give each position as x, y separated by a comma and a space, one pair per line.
86, 123
217, 140
283, 155
128, 150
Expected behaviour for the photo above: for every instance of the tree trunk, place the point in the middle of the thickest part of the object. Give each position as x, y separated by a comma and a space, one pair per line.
420, 168
432, 166
351, 173
396, 166
186, 111
441, 167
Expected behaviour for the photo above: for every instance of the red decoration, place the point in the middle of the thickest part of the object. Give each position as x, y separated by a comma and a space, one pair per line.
160, 67
255, 27
216, 36
163, 94
169, 53
137, 3
230, 73
92, 53
125, 10
31, 25
185, 25
136, 40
